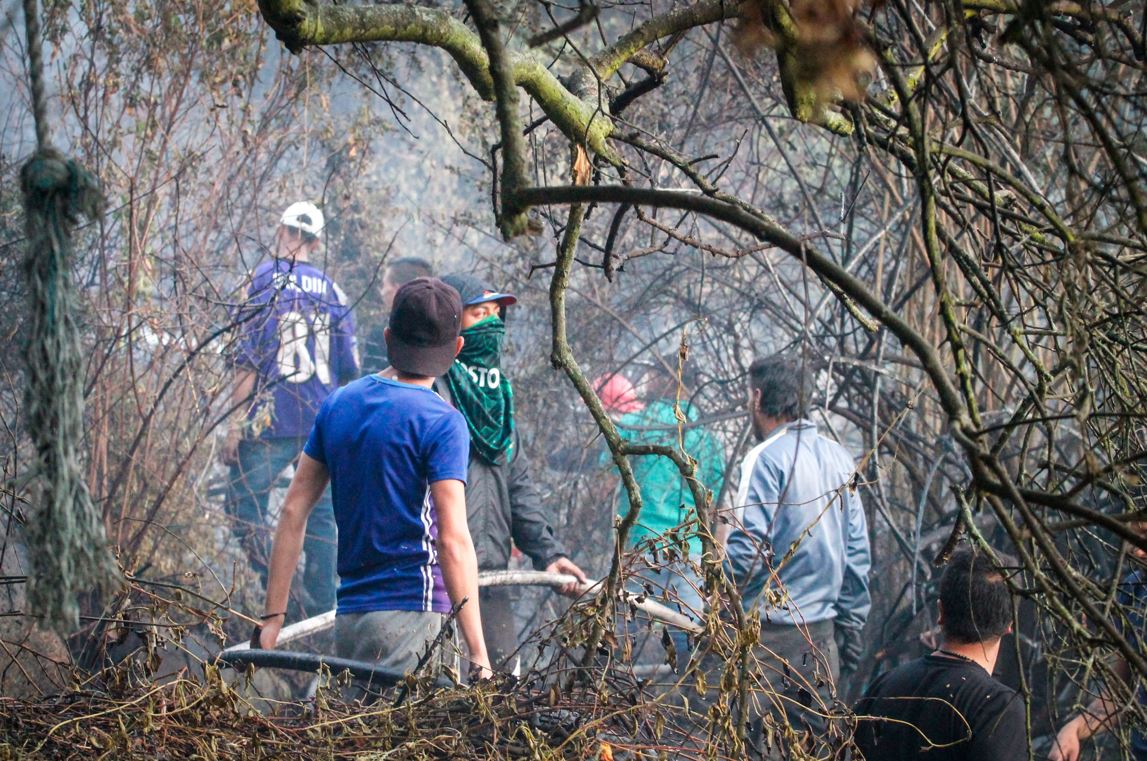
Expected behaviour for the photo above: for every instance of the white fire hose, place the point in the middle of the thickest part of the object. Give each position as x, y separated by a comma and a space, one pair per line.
654, 610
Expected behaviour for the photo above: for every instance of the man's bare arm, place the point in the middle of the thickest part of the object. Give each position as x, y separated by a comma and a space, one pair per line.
460, 565
1100, 714
307, 486
240, 393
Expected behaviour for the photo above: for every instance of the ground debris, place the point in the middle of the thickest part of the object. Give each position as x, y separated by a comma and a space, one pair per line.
188, 719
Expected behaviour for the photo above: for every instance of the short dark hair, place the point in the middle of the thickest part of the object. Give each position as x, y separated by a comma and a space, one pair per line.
975, 598
785, 383
407, 268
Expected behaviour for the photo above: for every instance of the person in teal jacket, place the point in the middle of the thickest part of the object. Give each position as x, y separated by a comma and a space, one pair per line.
666, 531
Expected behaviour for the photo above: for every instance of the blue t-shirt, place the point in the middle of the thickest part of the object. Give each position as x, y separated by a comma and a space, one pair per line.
297, 334
384, 443
1131, 596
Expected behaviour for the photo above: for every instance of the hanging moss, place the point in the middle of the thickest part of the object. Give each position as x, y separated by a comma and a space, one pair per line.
67, 545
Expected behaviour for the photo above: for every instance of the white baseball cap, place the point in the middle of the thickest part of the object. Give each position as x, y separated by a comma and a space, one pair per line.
305, 216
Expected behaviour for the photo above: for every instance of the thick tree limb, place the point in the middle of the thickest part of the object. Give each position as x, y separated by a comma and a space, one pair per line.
752, 221
300, 24
511, 217
607, 62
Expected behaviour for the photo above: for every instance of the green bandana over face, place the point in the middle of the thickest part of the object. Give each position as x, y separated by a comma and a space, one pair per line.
481, 393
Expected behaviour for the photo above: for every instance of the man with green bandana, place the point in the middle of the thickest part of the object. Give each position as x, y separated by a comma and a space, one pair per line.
502, 502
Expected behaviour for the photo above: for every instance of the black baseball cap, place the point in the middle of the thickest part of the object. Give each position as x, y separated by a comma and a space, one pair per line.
424, 325
474, 290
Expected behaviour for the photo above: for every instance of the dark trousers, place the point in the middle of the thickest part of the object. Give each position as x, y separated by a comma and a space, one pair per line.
499, 626
251, 478
793, 673
798, 670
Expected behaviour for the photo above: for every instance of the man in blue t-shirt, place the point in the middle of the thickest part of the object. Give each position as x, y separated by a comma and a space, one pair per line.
295, 346
398, 273
396, 456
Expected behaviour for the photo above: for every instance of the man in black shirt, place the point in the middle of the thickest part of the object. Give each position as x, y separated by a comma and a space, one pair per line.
946, 706
397, 274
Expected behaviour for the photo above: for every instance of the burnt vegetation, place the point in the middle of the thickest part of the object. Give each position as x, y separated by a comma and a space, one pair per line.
940, 206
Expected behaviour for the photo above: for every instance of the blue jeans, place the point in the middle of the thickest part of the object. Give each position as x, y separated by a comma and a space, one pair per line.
251, 478
678, 587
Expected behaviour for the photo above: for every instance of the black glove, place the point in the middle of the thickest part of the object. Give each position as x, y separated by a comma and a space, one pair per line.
850, 646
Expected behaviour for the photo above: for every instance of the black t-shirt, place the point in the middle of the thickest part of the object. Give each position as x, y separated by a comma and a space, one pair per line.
372, 348
940, 708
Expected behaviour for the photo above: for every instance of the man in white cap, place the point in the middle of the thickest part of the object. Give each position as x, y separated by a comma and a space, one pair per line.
295, 345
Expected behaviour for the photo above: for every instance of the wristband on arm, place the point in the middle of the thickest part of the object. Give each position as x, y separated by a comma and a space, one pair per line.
258, 630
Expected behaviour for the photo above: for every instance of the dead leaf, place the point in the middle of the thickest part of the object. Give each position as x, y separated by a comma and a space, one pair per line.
826, 44
582, 169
